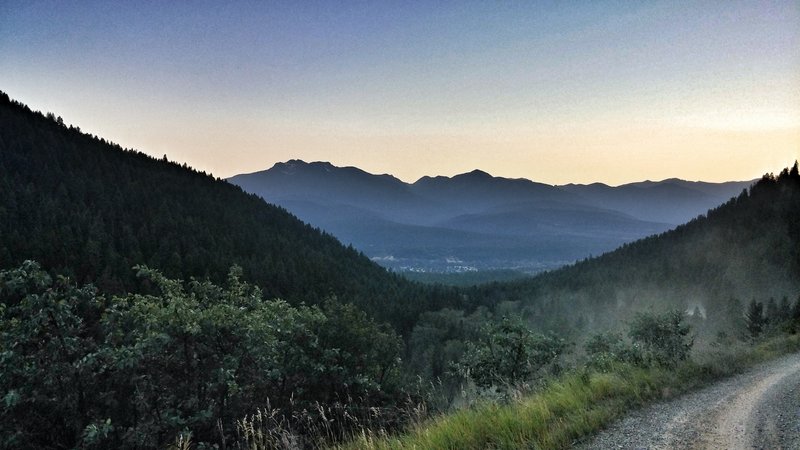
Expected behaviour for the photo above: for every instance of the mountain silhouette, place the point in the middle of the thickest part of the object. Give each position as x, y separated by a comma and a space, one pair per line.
475, 219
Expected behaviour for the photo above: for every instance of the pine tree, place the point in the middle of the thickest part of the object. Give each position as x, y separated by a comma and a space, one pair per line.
754, 318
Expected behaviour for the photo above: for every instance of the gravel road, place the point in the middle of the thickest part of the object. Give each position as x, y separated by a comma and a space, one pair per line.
759, 409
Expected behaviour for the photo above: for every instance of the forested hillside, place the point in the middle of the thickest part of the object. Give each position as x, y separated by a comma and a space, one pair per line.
747, 248
91, 210
107, 342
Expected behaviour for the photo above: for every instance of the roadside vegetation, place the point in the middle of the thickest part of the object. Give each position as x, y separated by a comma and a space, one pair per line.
618, 377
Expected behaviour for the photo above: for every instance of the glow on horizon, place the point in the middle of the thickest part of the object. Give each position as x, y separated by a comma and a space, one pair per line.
605, 91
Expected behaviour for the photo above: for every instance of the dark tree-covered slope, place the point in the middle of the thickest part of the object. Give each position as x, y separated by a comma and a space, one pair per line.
747, 248
90, 209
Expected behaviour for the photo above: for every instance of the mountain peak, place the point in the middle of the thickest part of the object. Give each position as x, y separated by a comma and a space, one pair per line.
289, 167
477, 173
292, 166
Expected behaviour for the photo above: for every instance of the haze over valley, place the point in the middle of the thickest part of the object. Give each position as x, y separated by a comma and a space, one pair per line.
477, 222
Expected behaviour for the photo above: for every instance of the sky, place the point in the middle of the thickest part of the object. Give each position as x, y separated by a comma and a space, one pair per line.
552, 91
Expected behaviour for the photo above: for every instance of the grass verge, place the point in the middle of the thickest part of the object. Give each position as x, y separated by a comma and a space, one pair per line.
573, 406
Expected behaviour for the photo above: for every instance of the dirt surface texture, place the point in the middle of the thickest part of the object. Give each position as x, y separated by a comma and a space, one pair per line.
759, 409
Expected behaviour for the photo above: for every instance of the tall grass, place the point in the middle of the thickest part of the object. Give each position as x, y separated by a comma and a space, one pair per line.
320, 425
573, 406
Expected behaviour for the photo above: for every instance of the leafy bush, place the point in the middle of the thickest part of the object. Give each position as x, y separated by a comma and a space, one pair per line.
48, 364
664, 338
77, 369
508, 353
606, 349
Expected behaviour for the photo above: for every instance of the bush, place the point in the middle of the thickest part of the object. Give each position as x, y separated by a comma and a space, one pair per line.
607, 349
664, 338
509, 353
81, 370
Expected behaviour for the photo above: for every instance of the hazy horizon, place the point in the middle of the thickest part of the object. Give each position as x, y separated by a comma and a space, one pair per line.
609, 92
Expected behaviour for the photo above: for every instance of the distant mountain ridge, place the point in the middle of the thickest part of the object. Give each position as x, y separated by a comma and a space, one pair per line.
475, 220
671, 201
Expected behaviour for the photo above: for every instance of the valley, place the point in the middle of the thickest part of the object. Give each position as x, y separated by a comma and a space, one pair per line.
476, 222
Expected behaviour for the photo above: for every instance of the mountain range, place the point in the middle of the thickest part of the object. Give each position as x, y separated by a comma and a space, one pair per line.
476, 221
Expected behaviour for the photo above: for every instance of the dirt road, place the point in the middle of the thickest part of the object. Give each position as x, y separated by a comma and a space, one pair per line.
759, 409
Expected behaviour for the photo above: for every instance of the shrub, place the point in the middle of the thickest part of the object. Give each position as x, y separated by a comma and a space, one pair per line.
139, 371
607, 349
664, 338
509, 353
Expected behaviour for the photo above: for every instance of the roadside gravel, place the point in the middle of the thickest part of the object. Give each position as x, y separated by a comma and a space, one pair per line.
759, 409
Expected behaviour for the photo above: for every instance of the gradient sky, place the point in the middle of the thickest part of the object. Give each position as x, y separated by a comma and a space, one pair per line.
553, 91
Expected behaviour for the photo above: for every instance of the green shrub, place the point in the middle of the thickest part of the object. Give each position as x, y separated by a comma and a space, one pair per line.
509, 353
664, 338
81, 370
